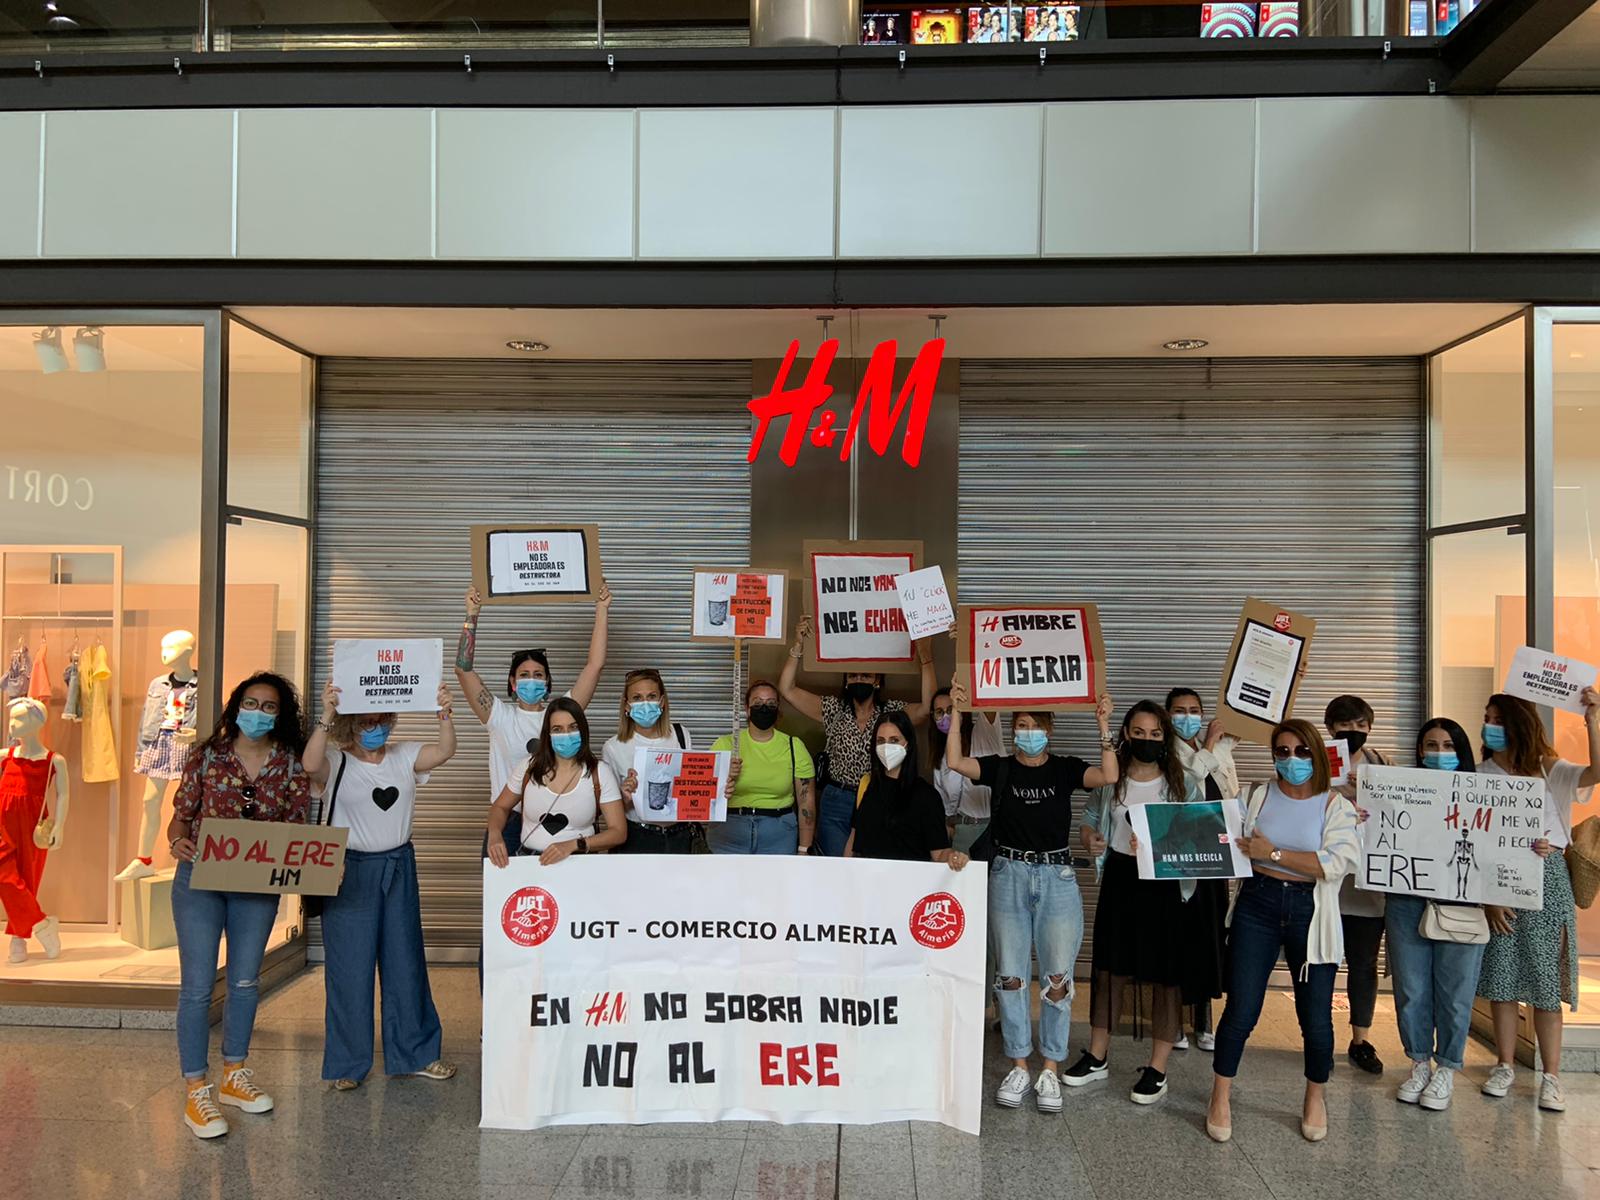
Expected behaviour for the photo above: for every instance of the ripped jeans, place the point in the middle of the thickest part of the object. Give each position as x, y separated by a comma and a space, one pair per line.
200, 919
1034, 908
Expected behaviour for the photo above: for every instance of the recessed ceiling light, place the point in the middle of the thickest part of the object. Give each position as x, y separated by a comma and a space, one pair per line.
526, 346
1185, 344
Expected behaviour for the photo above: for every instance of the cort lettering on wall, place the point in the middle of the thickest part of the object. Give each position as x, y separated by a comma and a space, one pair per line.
32, 486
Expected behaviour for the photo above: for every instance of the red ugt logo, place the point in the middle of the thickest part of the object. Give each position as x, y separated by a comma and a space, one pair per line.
800, 404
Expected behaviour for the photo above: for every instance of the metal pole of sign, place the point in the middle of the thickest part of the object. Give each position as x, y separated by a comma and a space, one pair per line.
600, 22
204, 38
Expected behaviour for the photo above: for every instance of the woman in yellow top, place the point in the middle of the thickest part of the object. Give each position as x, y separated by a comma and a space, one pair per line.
772, 805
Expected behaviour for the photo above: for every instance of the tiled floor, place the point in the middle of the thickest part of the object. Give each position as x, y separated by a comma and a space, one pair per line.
94, 1115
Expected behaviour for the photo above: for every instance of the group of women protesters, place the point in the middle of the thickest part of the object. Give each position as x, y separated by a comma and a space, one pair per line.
1183, 943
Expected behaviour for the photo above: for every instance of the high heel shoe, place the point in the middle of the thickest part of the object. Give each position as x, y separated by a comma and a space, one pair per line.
1313, 1133
1218, 1133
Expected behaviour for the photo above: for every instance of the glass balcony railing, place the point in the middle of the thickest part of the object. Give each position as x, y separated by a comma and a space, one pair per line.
56, 26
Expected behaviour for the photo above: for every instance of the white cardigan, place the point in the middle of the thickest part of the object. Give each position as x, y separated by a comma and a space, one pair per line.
1340, 855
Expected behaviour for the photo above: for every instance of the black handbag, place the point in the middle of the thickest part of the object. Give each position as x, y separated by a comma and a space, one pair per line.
311, 906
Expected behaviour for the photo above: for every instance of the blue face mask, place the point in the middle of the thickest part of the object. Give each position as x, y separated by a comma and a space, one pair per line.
1187, 724
1447, 761
566, 744
645, 713
1294, 770
1030, 741
1494, 737
254, 723
531, 691
374, 738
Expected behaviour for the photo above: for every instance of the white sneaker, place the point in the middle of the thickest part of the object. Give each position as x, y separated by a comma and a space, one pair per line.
134, 870
1182, 1043
1436, 1097
1047, 1092
1013, 1088
1206, 1041
1551, 1097
19, 950
48, 931
1500, 1080
1411, 1090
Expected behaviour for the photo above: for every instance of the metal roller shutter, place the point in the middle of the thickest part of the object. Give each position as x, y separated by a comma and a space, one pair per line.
412, 452
1166, 492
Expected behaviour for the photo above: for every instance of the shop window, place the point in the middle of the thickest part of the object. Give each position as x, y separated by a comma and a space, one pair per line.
1476, 428
1477, 620
269, 424
265, 609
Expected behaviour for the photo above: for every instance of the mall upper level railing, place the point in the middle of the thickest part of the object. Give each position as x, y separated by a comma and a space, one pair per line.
56, 26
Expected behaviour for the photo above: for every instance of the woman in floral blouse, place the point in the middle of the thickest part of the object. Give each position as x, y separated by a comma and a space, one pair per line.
248, 769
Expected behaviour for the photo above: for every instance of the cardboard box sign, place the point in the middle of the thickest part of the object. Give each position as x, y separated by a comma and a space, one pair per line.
1030, 657
852, 595
536, 564
274, 857
1262, 674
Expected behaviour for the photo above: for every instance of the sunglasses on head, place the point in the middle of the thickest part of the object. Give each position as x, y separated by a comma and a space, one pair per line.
1285, 752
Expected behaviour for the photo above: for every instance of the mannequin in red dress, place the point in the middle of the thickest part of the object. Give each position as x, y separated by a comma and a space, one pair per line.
33, 818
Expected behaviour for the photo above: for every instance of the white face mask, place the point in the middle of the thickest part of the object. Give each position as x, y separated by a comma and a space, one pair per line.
891, 755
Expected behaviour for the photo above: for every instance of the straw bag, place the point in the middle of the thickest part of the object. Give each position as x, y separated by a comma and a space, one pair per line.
1583, 861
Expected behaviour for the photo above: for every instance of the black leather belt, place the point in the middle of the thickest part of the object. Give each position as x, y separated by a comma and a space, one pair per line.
1050, 858
663, 830
760, 812
963, 819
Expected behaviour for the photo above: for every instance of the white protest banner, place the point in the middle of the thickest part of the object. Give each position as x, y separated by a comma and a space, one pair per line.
1338, 761
925, 602
380, 675
274, 857
533, 564
1449, 835
656, 988
1198, 839
856, 605
745, 603
681, 785
1546, 678
1039, 658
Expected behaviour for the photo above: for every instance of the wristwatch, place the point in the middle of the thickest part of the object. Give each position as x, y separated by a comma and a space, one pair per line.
1276, 855
583, 845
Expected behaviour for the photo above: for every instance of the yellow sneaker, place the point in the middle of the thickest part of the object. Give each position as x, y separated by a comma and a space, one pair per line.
201, 1113
239, 1090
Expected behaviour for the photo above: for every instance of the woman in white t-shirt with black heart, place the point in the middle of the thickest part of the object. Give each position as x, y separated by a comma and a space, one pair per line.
374, 923
563, 791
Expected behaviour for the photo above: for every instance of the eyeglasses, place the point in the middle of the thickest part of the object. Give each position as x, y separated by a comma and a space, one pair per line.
250, 704
248, 809
1283, 753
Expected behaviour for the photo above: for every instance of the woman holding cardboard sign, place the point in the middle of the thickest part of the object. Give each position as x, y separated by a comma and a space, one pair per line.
847, 722
248, 769
1034, 904
1532, 956
374, 923
644, 722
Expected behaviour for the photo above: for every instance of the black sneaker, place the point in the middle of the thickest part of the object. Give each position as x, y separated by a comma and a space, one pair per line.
1151, 1087
1366, 1057
1087, 1069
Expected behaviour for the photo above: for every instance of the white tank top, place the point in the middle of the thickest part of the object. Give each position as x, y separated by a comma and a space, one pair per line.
1292, 824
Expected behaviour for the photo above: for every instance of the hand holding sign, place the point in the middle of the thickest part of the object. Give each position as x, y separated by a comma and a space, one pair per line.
1546, 678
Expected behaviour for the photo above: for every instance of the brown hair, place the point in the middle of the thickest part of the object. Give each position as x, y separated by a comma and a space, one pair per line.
543, 760
1527, 744
1321, 773
625, 723
1171, 765
344, 728
1047, 721
761, 683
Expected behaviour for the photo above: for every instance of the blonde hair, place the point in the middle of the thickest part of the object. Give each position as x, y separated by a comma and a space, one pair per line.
343, 729
626, 727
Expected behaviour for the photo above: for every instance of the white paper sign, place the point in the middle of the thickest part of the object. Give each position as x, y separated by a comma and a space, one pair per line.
1263, 673
681, 785
1197, 839
858, 611
639, 989
379, 675
925, 602
740, 604
523, 564
1449, 835
1546, 678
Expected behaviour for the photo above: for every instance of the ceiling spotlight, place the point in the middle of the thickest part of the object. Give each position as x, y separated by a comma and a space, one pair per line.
526, 346
1185, 344
47, 347
88, 348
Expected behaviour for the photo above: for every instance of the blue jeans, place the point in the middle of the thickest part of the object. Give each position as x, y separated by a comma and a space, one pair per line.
741, 834
200, 919
834, 811
375, 924
1034, 909
1434, 983
1270, 915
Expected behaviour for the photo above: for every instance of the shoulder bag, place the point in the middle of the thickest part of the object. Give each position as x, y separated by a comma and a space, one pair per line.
1463, 924
311, 906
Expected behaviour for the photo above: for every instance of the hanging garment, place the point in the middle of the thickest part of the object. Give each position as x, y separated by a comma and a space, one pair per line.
72, 710
14, 684
99, 746
23, 782
39, 679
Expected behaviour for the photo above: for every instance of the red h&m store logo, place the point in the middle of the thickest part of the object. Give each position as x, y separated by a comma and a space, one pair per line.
876, 401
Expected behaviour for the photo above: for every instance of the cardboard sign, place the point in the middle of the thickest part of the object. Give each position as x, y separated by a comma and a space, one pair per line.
681, 785
745, 602
1338, 761
269, 856
1449, 835
1546, 678
817, 990
925, 602
536, 564
1193, 840
1030, 658
380, 675
853, 597
1262, 673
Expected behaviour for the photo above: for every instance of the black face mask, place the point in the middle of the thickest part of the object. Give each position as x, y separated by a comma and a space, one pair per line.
764, 716
1355, 737
1147, 750
860, 692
